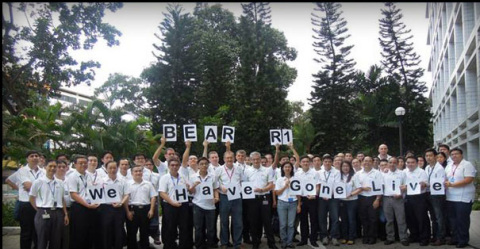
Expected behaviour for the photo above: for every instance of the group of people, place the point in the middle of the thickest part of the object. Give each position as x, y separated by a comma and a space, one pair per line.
382, 197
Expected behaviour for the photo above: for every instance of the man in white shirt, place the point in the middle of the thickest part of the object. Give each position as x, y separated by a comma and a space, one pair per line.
446, 149
369, 200
169, 154
259, 209
383, 152
25, 177
416, 203
46, 196
394, 204
460, 196
435, 202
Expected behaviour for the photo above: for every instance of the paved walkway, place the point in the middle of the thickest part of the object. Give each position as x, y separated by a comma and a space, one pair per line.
12, 240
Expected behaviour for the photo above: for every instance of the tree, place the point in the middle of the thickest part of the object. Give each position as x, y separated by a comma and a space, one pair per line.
262, 79
173, 80
401, 64
36, 50
332, 112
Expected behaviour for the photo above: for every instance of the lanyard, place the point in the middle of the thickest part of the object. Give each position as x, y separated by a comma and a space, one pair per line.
178, 179
453, 173
230, 175
52, 191
84, 183
431, 171
35, 176
200, 177
95, 179
325, 175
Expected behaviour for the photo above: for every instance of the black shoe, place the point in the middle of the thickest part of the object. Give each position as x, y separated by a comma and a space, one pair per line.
291, 246
302, 243
247, 240
214, 246
364, 241
295, 240
372, 241
423, 243
229, 244
388, 242
451, 242
461, 245
405, 243
313, 243
255, 246
273, 247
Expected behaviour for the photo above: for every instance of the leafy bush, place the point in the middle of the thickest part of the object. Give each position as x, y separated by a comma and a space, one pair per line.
7, 215
476, 205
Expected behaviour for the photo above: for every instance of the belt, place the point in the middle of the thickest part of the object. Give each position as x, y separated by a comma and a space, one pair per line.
138, 206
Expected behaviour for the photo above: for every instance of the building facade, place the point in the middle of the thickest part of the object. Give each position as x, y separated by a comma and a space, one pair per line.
454, 37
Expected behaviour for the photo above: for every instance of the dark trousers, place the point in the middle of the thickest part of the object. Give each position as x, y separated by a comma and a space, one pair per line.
260, 214
204, 221
140, 222
189, 234
328, 208
176, 224
154, 230
27, 225
459, 216
348, 215
112, 221
81, 232
436, 206
49, 230
369, 216
417, 218
308, 209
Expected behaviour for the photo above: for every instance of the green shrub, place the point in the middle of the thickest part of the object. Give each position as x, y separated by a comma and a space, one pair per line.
476, 205
7, 215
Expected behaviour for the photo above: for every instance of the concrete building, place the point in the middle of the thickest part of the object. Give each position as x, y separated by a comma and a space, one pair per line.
454, 37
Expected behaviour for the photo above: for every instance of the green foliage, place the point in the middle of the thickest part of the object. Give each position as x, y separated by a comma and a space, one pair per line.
476, 205
37, 39
332, 111
7, 215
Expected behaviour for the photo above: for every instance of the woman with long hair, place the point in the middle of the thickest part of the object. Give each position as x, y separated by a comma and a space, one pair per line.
348, 206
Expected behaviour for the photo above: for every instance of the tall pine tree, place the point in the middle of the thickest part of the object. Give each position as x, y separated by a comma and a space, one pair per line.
332, 112
402, 65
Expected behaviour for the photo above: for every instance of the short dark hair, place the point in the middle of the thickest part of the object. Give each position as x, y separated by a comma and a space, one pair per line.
327, 156
305, 156
106, 152
109, 162
173, 160
202, 159
383, 160
283, 165
78, 157
138, 154
444, 146
317, 155
412, 157
431, 150
59, 155
30, 152
457, 149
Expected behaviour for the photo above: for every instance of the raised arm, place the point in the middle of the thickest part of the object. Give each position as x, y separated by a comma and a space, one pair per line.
277, 154
295, 154
156, 156
186, 154
228, 145
205, 148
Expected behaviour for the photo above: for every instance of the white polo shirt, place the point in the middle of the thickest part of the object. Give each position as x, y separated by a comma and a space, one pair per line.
145, 176
94, 179
397, 175
168, 183
140, 193
437, 172
102, 172
285, 196
419, 175
162, 169
260, 177
26, 174
77, 183
207, 204
456, 173
365, 179
225, 176
122, 186
309, 175
66, 193
48, 192
351, 186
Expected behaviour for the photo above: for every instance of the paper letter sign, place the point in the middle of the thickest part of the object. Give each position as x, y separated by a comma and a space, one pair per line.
275, 137
181, 193
228, 134
392, 187
339, 190
247, 190
190, 132
295, 187
211, 134
413, 187
111, 194
287, 136
326, 190
376, 186
309, 187
95, 194
233, 191
436, 186
205, 191
170, 132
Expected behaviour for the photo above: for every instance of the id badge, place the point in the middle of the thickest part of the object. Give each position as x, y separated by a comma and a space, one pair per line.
45, 216
290, 199
265, 202
54, 206
451, 179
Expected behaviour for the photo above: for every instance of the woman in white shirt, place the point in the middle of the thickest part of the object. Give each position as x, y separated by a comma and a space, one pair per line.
348, 206
288, 205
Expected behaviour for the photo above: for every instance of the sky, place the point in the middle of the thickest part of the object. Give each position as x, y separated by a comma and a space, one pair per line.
139, 22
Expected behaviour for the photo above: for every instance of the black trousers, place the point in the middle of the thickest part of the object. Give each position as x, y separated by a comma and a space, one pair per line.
176, 218
418, 222
27, 225
112, 221
246, 223
81, 231
260, 216
140, 222
309, 212
368, 216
